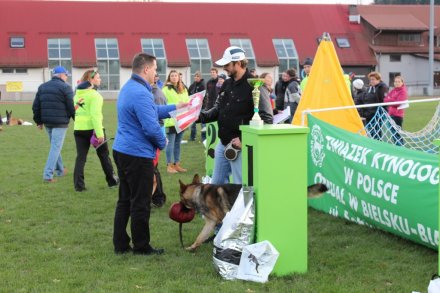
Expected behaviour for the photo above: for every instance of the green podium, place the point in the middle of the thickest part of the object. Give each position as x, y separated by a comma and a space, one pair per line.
275, 163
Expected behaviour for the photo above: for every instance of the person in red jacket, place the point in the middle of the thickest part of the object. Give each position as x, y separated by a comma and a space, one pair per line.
397, 94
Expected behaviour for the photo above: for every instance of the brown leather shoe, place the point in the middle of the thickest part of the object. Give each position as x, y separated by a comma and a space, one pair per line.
179, 168
170, 169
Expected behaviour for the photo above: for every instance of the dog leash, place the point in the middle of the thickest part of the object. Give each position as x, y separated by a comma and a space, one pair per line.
180, 235
104, 142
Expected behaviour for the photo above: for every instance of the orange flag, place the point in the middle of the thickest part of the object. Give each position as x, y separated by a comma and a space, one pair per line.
326, 88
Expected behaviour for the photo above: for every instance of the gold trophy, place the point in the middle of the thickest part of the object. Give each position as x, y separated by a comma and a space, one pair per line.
256, 83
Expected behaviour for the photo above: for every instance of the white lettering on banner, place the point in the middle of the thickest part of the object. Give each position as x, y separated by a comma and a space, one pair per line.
334, 190
377, 188
348, 175
353, 201
348, 151
406, 168
426, 234
385, 217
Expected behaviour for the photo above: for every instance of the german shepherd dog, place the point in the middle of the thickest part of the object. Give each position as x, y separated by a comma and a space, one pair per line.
12, 121
214, 201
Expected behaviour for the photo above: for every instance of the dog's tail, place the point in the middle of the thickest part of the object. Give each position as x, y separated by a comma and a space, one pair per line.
316, 190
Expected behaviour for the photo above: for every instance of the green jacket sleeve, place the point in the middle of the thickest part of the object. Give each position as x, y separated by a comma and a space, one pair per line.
96, 114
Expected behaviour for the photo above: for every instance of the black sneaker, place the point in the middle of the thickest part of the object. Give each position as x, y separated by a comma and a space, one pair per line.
80, 189
151, 251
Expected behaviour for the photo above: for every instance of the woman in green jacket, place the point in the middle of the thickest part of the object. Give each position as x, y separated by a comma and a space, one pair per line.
88, 120
175, 92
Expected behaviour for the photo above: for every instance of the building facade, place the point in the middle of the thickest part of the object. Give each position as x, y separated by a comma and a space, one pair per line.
35, 36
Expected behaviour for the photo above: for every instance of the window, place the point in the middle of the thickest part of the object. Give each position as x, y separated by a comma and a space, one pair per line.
107, 55
287, 55
16, 42
395, 57
60, 54
437, 79
410, 38
392, 76
14, 70
200, 57
436, 41
21, 70
246, 45
156, 48
343, 42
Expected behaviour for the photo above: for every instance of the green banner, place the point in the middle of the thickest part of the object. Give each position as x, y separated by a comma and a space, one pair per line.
377, 184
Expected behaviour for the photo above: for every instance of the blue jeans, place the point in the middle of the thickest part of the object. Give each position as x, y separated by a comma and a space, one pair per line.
173, 147
194, 132
54, 162
223, 167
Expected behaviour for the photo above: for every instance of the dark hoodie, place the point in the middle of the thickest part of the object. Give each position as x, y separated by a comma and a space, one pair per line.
196, 87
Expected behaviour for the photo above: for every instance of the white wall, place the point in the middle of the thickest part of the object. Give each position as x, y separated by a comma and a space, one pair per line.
36, 76
414, 71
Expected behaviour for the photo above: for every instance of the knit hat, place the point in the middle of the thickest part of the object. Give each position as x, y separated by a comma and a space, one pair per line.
222, 76
358, 84
308, 61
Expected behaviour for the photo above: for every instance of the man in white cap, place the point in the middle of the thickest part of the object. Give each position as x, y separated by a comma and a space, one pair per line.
233, 107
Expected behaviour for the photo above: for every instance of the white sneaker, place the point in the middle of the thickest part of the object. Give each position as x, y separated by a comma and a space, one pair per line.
203, 129
183, 141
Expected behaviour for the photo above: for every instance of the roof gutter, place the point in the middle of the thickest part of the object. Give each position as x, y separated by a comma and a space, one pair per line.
375, 36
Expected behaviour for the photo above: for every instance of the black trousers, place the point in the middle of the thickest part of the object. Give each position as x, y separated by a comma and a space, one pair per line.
135, 189
396, 136
82, 140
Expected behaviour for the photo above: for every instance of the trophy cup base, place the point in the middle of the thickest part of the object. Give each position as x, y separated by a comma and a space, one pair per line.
256, 123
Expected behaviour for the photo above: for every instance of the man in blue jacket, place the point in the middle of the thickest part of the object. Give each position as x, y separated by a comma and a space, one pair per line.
137, 137
53, 108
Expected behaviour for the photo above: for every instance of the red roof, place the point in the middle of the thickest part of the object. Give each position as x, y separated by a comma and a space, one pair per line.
82, 22
395, 22
400, 17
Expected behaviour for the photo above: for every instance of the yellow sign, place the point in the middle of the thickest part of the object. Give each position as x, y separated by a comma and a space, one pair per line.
14, 86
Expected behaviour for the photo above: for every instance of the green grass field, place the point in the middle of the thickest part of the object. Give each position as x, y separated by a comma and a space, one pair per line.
53, 239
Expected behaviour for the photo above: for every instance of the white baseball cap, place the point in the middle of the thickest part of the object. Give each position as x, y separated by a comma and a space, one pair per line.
358, 84
233, 53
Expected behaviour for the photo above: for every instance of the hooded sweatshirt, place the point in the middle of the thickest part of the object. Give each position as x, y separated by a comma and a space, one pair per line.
396, 95
88, 109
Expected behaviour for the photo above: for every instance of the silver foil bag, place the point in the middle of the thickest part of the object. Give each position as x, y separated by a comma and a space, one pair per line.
236, 232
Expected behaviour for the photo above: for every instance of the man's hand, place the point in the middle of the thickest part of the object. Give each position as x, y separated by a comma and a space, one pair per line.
40, 126
236, 142
100, 140
181, 105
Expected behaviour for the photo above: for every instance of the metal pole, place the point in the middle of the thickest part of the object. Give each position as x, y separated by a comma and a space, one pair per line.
431, 49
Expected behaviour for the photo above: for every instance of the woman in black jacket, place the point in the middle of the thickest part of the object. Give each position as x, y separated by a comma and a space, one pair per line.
375, 94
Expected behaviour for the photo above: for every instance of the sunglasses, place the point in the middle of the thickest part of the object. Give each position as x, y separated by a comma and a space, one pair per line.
93, 73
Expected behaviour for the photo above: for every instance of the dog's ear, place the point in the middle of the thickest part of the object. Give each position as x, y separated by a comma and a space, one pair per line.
182, 187
196, 179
